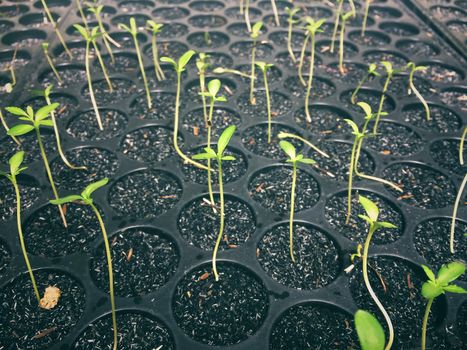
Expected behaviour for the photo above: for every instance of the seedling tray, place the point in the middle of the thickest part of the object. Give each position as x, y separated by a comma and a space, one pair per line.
153, 202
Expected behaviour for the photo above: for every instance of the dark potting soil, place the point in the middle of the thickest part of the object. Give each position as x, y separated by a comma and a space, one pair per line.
394, 140
170, 13
136, 330
143, 260
225, 312
284, 60
231, 170
454, 97
336, 167
199, 224
219, 59
397, 285
163, 106
357, 229
124, 63
244, 49
5, 257
255, 139
29, 193
144, 194
234, 12
354, 72
399, 86
207, 21
423, 186
167, 48
78, 50
417, 48
193, 122
280, 104
461, 325
442, 120
431, 240
317, 257
207, 6
372, 38
271, 188
281, 38
99, 163
25, 324
122, 88
67, 104
370, 96
398, 61
274, 75
84, 126
323, 47
440, 73
141, 143
240, 29
325, 119
69, 75
45, 234
307, 325
214, 40
446, 154
29, 145
321, 87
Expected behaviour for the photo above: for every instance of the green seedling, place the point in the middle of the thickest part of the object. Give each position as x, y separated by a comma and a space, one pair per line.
247, 15
8, 87
33, 122
461, 146
390, 71
413, 68
219, 156
179, 68
54, 25
85, 198
15, 163
454, 213
82, 15
371, 217
276, 14
344, 19
45, 49
6, 127
263, 66
292, 21
340, 4
214, 87
91, 38
133, 30
295, 159
312, 28
155, 29
355, 155
436, 286
255, 33
372, 71
287, 135
202, 65
220, 70
369, 330
365, 17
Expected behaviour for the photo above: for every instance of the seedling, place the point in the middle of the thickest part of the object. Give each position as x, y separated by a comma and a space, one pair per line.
355, 155
90, 38
81, 13
461, 146
155, 29
179, 68
389, 74
340, 3
15, 163
454, 213
256, 31
291, 12
413, 68
372, 70
220, 70
219, 156
202, 65
435, 286
312, 28
247, 15
371, 217
213, 89
6, 127
344, 19
8, 87
365, 17
54, 25
285, 135
276, 14
263, 66
33, 122
369, 330
133, 30
86, 199
45, 48
295, 159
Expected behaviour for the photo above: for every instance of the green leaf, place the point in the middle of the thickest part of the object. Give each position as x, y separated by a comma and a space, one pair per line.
387, 65
369, 330
366, 107
47, 122
370, 207
224, 139
88, 191
67, 199
17, 111
256, 29
133, 27
347, 15
307, 161
82, 31
214, 87
20, 129
210, 151
354, 126
429, 273
288, 148
386, 224
15, 162
203, 156
431, 290
366, 218
228, 158
183, 61
169, 60
452, 288
124, 27
45, 111
221, 99
450, 272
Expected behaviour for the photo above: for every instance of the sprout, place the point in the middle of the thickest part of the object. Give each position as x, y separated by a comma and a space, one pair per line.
220, 70
365, 17
15, 163
219, 156
390, 73
202, 65
461, 146
247, 15
371, 71
8, 87
336, 24
454, 213
263, 66
106, 38
291, 21
344, 19
435, 286
86, 199
294, 158
371, 217
369, 330
133, 30
6, 127
276, 14
256, 31
54, 25
413, 68
33, 122
45, 49
155, 28
179, 68
81, 13
284, 135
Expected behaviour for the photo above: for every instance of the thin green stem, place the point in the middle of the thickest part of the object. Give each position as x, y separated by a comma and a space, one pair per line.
155, 54
359, 86
289, 41
91, 90
302, 59
81, 13
143, 72
381, 103
293, 136
310, 80
365, 17
209, 124
419, 95
221, 228
276, 14
461, 146
57, 32
247, 15
21, 238
349, 190
52, 66
252, 75
454, 214
341, 48
101, 63
202, 86
105, 37
292, 210
236, 72
5, 125
370, 289
241, 7
110, 270
336, 24
49, 174
425, 322
268, 104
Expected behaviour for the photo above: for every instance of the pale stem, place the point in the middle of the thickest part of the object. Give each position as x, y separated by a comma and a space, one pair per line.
268, 104
237, 72
349, 190
202, 86
425, 322
81, 13
461, 146
91, 90
341, 48
252, 75
51, 64
209, 124
336, 24
221, 228
143, 72
454, 214
365, 17
155, 54
310, 80
302, 59
247, 15
292, 210
5, 125
419, 95
289, 41
241, 6
359, 86
381, 102
101, 62
274, 10
293, 136
57, 32
105, 37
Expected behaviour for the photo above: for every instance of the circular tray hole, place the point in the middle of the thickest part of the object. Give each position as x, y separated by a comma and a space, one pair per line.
24, 38
442, 73
125, 62
417, 48
36, 19
399, 28
84, 125
193, 122
207, 21
234, 12
29, 145
325, 119
203, 41
321, 87
442, 120
135, 5
170, 13
71, 76
384, 12
280, 104
163, 107
207, 6
122, 89
454, 97
370, 96
243, 49
397, 60
372, 38
445, 152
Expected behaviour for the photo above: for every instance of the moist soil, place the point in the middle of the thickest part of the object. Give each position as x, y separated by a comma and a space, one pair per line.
29, 193
446, 154
194, 123
325, 119
280, 104
84, 126
442, 120
163, 106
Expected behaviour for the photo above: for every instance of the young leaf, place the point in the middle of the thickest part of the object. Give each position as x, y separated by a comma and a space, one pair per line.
228, 158
370, 207
255, 30
369, 330
429, 273
307, 161
354, 126
67, 199
168, 60
386, 224
17, 111
431, 290
15, 162
82, 31
366, 107
47, 122
93, 187
455, 289
45, 111
210, 151
203, 156
288, 148
450, 272
214, 87
20, 129
224, 139
186, 57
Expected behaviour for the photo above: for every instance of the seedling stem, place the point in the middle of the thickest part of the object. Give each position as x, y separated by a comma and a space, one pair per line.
413, 68
155, 28
461, 146
254, 35
45, 48
336, 24
5, 125
454, 213
57, 32
344, 19
263, 66
371, 71
291, 21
